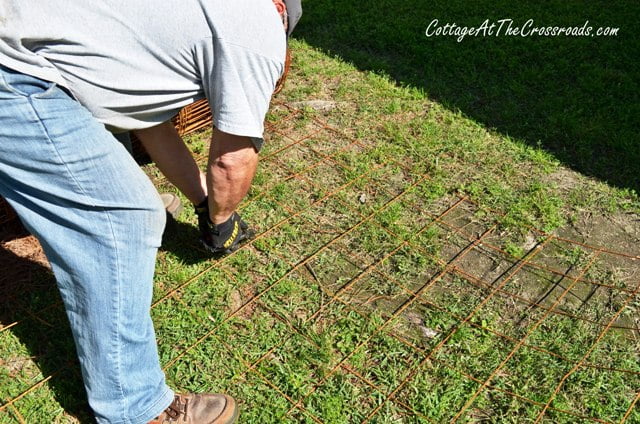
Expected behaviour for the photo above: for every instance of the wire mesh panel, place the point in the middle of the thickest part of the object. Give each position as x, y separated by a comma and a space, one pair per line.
368, 295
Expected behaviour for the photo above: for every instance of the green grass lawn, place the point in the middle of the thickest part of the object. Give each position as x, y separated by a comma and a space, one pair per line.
574, 96
420, 257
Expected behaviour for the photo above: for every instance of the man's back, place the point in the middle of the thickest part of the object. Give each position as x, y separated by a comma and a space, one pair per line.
133, 64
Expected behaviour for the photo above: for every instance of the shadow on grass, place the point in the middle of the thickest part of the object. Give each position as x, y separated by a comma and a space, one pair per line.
31, 298
576, 97
182, 240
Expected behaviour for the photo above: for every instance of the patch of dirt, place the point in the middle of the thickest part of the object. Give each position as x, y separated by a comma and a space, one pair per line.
619, 232
235, 301
21, 259
15, 364
529, 243
240, 297
15, 239
319, 105
25, 247
20, 256
416, 320
565, 179
484, 264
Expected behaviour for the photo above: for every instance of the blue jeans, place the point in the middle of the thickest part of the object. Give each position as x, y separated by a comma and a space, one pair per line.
100, 221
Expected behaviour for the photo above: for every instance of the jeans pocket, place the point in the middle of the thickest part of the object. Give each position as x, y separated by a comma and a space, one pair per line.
25, 85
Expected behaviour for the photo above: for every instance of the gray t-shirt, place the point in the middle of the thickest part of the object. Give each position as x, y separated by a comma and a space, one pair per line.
135, 63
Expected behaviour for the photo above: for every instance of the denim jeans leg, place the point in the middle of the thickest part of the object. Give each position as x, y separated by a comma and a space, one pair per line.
100, 221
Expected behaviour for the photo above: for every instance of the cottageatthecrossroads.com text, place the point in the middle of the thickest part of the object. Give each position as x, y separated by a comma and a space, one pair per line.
507, 27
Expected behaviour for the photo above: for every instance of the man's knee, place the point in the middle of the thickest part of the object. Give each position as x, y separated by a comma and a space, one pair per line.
158, 216
149, 217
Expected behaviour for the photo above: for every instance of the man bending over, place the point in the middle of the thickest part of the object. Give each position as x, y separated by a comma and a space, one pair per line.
71, 73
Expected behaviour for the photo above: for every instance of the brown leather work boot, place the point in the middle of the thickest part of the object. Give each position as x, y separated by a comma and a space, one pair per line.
201, 408
172, 204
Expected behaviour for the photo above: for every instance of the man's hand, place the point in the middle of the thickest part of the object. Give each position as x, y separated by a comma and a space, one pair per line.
223, 238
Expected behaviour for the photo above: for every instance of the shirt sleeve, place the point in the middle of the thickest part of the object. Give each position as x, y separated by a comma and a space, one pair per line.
239, 88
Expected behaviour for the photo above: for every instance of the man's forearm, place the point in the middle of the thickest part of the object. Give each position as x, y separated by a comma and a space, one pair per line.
174, 160
232, 164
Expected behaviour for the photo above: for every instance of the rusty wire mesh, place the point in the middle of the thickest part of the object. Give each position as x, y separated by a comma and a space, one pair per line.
470, 267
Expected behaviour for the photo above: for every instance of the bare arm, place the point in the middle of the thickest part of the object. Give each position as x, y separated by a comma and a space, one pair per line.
232, 164
174, 160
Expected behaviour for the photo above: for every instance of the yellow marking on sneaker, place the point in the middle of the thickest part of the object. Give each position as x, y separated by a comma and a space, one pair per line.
234, 234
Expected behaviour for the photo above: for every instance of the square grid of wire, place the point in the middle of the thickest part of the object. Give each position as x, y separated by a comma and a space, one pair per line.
319, 241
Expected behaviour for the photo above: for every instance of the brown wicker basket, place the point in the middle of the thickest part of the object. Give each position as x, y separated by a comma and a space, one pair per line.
192, 118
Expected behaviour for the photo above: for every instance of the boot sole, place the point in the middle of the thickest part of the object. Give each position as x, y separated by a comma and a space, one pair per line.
234, 416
